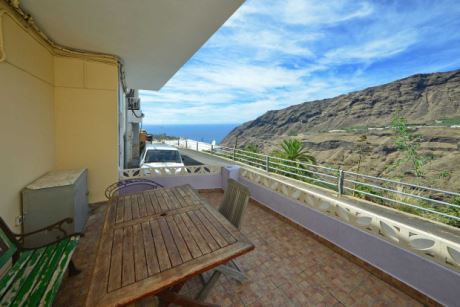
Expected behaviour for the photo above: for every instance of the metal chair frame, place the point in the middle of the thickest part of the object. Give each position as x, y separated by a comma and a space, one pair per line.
233, 206
121, 185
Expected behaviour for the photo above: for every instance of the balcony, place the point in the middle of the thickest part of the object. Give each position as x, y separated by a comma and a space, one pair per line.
309, 250
289, 267
312, 247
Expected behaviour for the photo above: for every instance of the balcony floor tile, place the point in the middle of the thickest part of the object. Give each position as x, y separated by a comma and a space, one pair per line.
288, 268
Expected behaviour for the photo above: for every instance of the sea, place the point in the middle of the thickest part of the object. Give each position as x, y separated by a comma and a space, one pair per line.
200, 132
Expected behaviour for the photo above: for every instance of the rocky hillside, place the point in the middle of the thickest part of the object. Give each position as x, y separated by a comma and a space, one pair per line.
333, 129
422, 99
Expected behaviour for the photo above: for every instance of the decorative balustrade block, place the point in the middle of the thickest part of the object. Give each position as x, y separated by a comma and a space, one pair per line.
170, 171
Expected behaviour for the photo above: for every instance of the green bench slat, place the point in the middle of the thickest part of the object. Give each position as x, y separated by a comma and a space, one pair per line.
28, 281
41, 282
9, 296
35, 278
14, 271
56, 279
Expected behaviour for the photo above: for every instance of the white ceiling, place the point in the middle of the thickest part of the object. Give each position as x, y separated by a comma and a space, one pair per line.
154, 37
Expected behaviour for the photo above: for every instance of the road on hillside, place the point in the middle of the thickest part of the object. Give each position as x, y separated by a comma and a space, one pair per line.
192, 157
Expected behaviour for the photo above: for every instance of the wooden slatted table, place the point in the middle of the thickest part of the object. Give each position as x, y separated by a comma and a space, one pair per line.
156, 239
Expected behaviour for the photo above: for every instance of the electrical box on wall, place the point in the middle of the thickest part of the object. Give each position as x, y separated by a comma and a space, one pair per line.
134, 103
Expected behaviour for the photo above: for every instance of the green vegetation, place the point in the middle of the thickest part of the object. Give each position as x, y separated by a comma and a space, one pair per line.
252, 148
449, 121
363, 149
294, 150
444, 175
291, 162
368, 190
358, 128
293, 132
407, 143
250, 156
376, 195
453, 211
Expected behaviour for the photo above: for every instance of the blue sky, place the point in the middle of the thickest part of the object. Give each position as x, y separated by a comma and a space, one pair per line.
273, 54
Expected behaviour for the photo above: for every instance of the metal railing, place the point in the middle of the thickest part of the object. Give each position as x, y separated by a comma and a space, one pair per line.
429, 202
190, 144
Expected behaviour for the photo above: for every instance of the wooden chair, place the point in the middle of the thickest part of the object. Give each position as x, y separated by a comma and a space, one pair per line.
32, 276
235, 201
130, 186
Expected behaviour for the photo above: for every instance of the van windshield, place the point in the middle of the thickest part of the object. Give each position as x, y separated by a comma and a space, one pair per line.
155, 155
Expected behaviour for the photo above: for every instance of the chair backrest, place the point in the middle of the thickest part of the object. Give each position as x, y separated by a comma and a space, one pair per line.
236, 198
127, 186
8, 244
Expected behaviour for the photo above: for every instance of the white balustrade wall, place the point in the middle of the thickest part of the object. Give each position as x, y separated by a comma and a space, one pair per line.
198, 176
425, 244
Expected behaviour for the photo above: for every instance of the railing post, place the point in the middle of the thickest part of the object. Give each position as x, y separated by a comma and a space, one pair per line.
178, 142
340, 183
267, 164
186, 144
212, 148
196, 145
234, 152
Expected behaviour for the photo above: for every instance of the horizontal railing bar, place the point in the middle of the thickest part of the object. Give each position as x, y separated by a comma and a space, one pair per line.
225, 155
275, 165
362, 175
352, 173
304, 163
403, 203
282, 159
255, 153
402, 183
304, 170
251, 162
289, 166
403, 193
236, 154
307, 177
223, 151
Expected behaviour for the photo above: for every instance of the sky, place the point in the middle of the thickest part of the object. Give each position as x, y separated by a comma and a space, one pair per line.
273, 54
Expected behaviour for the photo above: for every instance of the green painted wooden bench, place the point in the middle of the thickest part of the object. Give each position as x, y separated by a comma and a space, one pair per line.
32, 276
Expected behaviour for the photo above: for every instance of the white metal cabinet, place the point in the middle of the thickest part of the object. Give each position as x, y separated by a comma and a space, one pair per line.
51, 198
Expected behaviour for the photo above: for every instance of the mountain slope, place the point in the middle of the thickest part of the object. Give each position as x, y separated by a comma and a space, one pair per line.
421, 98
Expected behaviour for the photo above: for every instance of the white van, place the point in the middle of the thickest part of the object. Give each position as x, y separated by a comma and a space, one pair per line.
160, 155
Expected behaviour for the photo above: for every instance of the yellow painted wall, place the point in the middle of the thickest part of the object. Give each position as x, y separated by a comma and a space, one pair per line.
27, 134
56, 113
86, 96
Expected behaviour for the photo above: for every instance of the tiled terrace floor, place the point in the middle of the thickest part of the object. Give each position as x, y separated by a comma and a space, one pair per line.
287, 268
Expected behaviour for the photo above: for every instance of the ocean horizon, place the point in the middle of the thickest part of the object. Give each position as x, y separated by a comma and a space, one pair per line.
201, 132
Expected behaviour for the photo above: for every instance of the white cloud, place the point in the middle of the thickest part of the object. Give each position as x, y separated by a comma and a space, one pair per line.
376, 49
272, 54
320, 12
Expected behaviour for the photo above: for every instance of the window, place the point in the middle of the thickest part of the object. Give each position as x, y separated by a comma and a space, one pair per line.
155, 155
